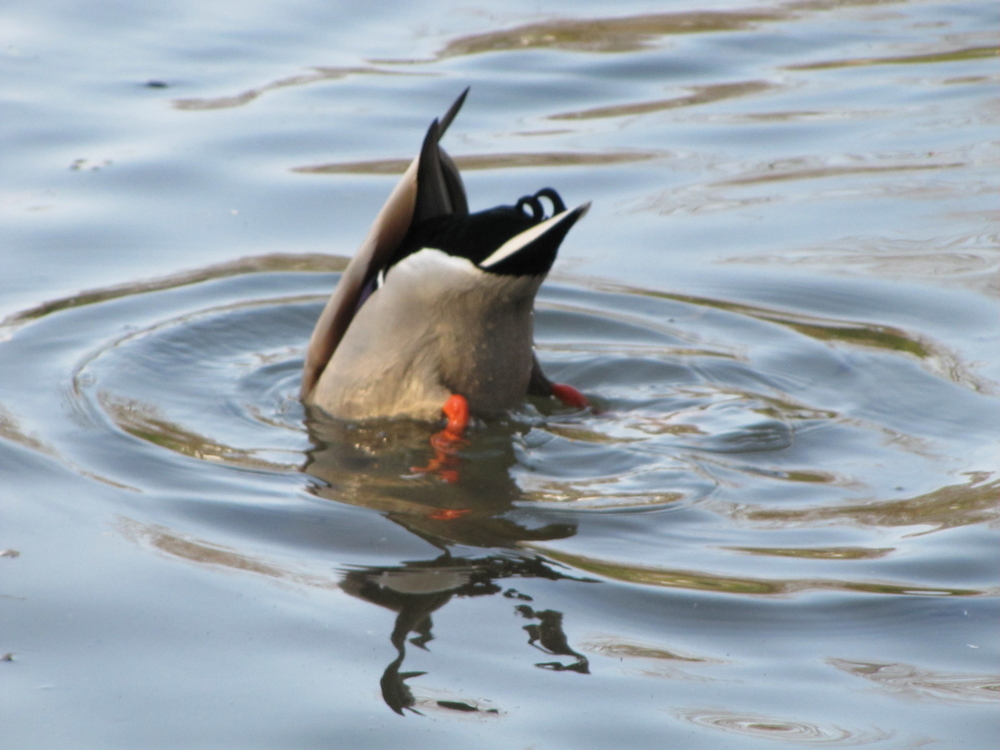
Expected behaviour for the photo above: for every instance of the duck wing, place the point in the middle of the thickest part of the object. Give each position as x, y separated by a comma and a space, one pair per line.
440, 192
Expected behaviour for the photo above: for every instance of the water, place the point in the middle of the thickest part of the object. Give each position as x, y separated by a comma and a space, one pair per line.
778, 526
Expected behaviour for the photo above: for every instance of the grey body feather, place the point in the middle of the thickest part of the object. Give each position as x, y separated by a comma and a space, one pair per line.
438, 326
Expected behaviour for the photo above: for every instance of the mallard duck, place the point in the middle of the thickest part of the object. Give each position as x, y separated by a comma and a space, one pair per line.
434, 314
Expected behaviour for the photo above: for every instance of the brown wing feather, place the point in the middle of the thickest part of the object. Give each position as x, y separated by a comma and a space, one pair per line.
438, 185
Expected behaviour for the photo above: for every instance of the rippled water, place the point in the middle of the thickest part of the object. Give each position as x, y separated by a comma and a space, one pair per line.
777, 526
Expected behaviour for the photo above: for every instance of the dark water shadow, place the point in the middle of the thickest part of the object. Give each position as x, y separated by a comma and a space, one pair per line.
372, 465
416, 590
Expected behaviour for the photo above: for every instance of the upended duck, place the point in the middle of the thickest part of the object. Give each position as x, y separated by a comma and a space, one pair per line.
434, 314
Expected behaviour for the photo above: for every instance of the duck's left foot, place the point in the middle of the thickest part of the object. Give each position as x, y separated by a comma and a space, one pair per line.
456, 408
570, 396
446, 442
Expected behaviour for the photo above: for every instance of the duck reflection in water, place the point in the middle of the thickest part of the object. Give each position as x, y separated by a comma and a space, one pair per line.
416, 590
370, 465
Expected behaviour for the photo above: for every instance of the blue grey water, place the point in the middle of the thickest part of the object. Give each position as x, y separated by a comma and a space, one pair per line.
777, 528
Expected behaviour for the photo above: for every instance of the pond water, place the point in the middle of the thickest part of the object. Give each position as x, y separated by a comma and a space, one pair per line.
777, 527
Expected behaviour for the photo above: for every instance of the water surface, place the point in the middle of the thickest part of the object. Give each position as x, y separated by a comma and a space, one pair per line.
777, 527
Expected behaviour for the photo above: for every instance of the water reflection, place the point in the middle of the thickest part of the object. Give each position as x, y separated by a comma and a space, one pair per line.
699, 95
856, 333
372, 465
975, 502
417, 590
951, 55
146, 422
968, 260
698, 580
651, 660
274, 262
473, 162
413, 590
819, 553
915, 683
772, 728
247, 96
202, 552
622, 34
548, 636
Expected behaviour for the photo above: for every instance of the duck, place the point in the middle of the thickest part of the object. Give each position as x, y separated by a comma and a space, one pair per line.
433, 316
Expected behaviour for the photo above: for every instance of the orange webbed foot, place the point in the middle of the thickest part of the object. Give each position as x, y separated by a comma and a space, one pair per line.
456, 408
570, 396
446, 442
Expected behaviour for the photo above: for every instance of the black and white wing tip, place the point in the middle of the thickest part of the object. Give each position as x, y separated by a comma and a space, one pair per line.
533, 251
